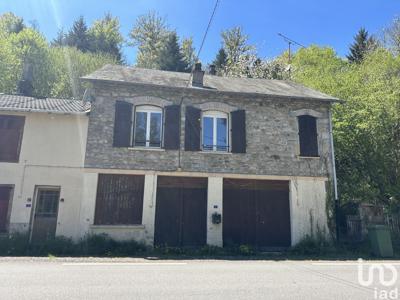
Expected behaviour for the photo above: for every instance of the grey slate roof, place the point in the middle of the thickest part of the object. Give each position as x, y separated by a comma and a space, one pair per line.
27, 104
282, 88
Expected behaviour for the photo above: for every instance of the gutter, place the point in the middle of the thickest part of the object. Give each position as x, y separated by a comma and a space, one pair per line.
28, 110
334, 176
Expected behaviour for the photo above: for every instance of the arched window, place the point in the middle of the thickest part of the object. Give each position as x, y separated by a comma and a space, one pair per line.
308, 136
215, 131
148, 126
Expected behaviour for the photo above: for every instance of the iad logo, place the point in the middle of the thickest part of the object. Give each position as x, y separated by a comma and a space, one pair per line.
379, 270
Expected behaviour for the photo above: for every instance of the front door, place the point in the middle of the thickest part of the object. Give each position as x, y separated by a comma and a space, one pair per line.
181, 211
46, 212
5, 196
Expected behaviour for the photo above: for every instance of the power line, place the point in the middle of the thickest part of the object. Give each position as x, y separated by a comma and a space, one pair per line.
290, 42
191, 75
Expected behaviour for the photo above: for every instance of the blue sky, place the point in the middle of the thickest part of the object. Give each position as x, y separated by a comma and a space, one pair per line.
332, 22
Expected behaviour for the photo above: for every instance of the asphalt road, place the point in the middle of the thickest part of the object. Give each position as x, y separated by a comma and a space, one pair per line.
43, 278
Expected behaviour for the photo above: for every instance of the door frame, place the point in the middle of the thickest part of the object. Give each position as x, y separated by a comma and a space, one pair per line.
9, 208
34, 203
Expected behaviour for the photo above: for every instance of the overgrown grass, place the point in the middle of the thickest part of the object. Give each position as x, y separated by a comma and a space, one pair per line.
316, 247
92, 245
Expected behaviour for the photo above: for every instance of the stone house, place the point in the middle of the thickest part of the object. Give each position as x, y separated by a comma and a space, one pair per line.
187, 160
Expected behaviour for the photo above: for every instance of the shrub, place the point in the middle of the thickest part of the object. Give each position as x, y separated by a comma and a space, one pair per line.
312, 246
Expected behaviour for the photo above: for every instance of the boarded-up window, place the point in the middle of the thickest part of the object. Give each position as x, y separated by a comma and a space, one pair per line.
11, 130
308, 136
119, 199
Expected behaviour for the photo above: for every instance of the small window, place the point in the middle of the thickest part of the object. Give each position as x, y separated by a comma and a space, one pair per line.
148, 126
308, 136
11, 130
215, 131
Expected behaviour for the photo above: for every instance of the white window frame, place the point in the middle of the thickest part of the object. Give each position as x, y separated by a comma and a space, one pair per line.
148, 109
214, 115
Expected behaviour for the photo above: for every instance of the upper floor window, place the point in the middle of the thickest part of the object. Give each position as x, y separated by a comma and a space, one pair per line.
308, 136
148, 126
215, 135
11, 130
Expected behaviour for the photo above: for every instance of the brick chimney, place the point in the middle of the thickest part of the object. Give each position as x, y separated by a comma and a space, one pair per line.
198, 75
25, 86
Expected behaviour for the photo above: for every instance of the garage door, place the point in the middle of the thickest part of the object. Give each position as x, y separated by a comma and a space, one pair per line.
256, 212
181, 211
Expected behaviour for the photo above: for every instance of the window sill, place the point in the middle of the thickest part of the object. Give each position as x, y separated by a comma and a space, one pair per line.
309, 157
216, 152
105, 227
145, 149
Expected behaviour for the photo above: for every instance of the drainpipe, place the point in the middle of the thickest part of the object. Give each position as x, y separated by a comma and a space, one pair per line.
334, 175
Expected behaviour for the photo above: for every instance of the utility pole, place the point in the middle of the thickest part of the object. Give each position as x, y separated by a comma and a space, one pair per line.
290, 42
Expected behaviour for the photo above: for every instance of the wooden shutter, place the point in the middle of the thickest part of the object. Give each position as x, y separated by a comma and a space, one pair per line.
11, 131
171, 127
238, 131
122, 124
192, 128
308, 136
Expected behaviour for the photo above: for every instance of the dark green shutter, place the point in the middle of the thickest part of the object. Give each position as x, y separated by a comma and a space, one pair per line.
308, 136
122, 124
238, 131
192, 128
171, 127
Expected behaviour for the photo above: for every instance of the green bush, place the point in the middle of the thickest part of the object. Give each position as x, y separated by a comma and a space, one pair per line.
103, 245
16, 244
312, 246
94, 245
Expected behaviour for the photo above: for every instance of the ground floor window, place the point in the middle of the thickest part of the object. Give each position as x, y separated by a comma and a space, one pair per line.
5, 204
119, 199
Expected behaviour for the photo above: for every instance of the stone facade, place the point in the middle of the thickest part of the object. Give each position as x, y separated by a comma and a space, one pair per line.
271, 133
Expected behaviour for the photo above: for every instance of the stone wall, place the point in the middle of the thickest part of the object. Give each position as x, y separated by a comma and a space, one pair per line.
271, 126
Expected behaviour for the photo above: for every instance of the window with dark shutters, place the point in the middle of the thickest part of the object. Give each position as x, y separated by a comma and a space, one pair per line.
171, 127
192, 128
238, 131
122, 124
119, 199
11, 131
308, 136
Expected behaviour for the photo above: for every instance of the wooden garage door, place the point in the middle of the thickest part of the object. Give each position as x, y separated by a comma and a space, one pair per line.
181, 211
256, 212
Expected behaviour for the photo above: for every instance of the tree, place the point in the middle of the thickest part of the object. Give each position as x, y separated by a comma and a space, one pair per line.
188, 53
363, 43
78, 36
220, 61
68, 64
149, 34
170, 57
236, 47
60, 39
10, 23
366, 126
105, 36
391, 36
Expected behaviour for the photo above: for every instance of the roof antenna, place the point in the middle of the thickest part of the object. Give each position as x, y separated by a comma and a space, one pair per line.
290, 42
